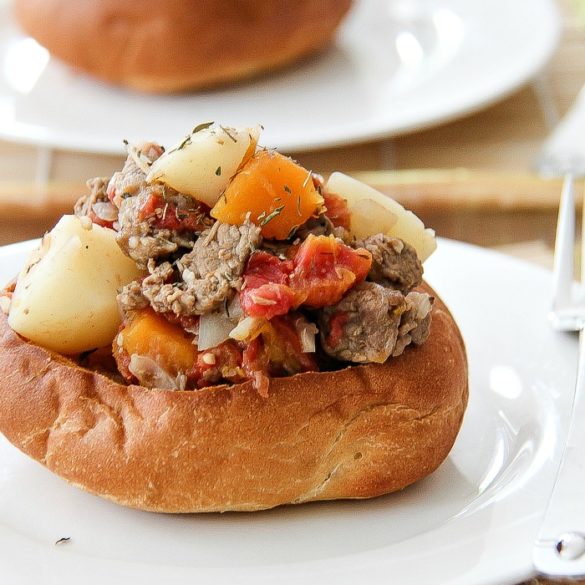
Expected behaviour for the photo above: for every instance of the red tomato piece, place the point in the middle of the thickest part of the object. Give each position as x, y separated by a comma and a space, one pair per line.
337, 322
269, 300
218, 364
326, 269
337, 210
276, 352
99, 221
166, 215
256, 365
290, 354
322, 271
266, 292
263, 267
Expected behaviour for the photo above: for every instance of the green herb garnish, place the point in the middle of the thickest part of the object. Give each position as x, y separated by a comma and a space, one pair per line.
203, 126
271, 216
228, 133
186, 141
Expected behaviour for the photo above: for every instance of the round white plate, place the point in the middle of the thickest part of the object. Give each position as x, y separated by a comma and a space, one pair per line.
471, 523
397, 66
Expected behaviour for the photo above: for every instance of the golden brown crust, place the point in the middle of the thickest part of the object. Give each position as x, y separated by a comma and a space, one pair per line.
174, 45
359, 432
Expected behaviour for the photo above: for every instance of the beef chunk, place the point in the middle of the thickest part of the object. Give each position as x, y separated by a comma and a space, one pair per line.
96, 204
140, 237
97, 193
415, 322
372, 323
131, 179
322, 226
131, 298
394, 262
155, 221
204, 277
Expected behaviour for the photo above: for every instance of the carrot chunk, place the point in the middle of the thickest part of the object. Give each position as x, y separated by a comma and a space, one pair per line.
150, 335
278, 193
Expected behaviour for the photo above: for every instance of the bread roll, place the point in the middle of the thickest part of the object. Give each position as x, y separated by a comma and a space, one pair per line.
355, 433
175, 45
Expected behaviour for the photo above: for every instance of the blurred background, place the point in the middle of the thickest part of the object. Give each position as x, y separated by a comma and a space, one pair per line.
445, 105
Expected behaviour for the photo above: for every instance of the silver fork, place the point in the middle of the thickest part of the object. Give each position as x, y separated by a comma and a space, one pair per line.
559, 550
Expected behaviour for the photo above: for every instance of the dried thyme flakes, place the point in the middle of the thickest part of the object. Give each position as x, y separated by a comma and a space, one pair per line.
203, 126
226, 130
271, 216
186, 140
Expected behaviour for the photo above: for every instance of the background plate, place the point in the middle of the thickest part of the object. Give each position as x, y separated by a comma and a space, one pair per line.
471, 522
397, 66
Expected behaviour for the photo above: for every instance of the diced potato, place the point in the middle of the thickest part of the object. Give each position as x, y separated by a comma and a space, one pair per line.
397, 222
277, 192
205, 161
369, 217
65, 296
150, 335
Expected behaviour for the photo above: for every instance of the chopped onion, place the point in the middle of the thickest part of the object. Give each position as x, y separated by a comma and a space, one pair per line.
105, 210
214, 328
248, 328
138, 157
151, 375
422, 303
307, 332
234, 309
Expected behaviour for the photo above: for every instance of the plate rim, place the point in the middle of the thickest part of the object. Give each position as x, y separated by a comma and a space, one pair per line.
535, 58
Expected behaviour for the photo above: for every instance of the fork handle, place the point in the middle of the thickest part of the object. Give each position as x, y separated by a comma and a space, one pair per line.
559, 550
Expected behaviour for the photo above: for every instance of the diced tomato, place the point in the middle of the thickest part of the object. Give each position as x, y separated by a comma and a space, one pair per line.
337, 322
337, 210
276, 352
150, 206
326, 268
218, 364
263, 267
266, 292
269, 300
99, 221
255, 363
286, 347
166, 215
322, 270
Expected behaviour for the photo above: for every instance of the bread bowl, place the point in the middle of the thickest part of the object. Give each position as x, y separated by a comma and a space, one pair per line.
173, 45
371, 406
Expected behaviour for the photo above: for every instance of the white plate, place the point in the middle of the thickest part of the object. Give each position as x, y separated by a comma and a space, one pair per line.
397, 66
470, 523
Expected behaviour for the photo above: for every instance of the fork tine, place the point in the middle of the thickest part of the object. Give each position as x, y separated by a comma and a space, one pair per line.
564, 245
